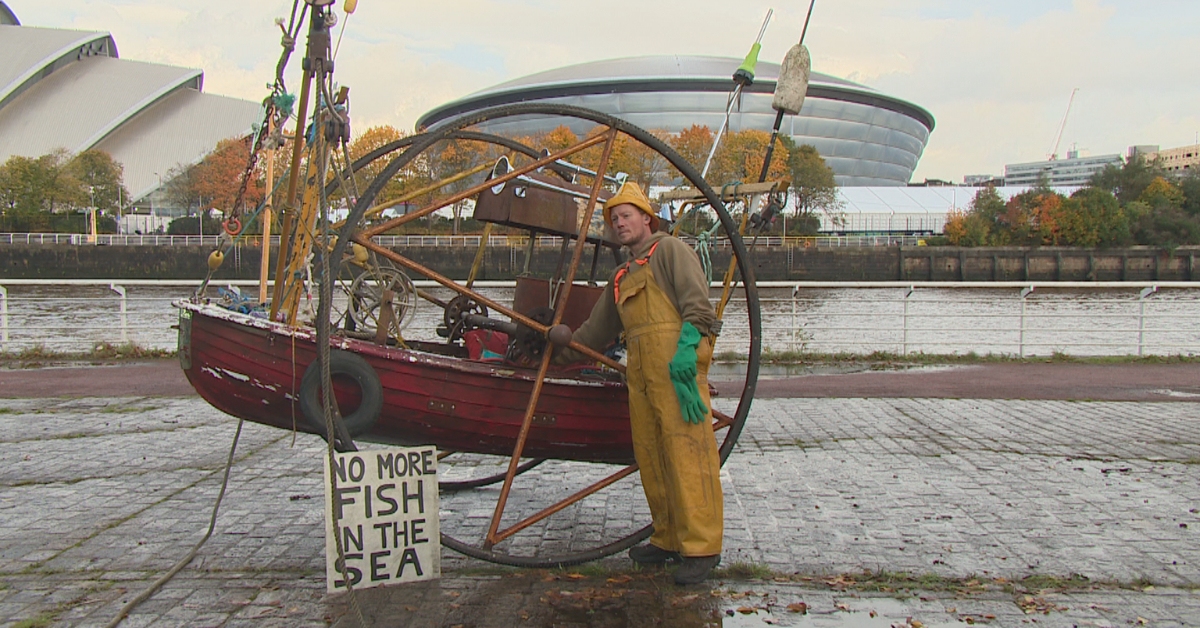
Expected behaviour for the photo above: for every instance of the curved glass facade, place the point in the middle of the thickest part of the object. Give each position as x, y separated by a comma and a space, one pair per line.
867, 138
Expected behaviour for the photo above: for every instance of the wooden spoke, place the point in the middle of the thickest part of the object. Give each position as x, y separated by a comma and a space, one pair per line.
559, 310
579, 496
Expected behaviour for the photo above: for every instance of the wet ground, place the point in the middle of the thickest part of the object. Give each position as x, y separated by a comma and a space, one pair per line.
1028, 380
923, 498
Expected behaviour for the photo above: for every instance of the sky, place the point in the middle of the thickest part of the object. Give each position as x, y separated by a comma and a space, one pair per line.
997, 76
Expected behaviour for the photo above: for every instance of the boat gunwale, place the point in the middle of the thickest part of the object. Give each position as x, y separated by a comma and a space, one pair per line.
390, 354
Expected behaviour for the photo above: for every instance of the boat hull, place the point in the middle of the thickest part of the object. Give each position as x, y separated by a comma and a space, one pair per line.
253, 369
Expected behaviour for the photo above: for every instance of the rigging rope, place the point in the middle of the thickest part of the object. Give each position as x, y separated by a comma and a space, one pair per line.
183, 562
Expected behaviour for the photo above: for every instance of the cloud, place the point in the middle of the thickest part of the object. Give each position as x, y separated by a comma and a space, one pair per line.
996, 76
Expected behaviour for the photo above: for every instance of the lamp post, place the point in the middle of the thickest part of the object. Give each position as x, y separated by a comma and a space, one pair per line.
92, 198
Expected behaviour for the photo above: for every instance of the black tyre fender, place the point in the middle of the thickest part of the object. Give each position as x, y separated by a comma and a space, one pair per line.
356, 368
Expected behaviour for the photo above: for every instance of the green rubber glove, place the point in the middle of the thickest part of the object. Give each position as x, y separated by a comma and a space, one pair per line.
690, 405
683, 375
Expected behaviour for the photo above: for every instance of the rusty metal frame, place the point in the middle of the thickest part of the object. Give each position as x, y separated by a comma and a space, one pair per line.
429, 209
609, 136
722, 421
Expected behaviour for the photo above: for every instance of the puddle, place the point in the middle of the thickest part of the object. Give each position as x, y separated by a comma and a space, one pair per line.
843, 613
1175, 393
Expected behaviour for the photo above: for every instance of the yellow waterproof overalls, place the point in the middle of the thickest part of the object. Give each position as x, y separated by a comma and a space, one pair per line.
679, 463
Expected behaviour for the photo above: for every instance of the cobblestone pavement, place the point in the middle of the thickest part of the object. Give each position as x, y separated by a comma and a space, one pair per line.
989, 504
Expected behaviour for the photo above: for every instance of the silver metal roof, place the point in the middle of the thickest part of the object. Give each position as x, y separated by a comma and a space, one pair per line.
178, 130
32, 53
77, 106
67, 89
661, 73
865, 136
654, 67
7, 16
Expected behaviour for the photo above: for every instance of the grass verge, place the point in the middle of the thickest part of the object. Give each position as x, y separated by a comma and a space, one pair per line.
39, 355
886, 359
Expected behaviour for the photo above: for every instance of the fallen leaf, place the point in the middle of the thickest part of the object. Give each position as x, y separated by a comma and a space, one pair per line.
797, 607
916, 623
841, 607
410, 608
687, 599
747, 610
576, 576
623, 578
873, 613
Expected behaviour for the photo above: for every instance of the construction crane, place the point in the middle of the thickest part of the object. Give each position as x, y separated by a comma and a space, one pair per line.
1062, 127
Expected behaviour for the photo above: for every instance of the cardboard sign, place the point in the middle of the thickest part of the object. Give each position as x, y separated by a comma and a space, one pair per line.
387, 509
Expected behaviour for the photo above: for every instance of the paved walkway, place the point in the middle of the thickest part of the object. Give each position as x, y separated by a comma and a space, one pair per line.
99, 496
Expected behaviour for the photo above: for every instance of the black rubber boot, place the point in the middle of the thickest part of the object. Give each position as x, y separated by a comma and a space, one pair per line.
695, 569
651, 555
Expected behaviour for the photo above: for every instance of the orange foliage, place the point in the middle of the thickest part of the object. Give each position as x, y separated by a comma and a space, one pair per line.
217, 179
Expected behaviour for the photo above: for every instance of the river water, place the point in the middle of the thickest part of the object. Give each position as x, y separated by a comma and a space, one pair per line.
830, 320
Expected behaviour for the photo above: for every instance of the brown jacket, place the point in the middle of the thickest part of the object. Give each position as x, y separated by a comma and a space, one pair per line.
677, 271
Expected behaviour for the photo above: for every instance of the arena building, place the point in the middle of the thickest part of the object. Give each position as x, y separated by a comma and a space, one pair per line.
67, 89
868, 138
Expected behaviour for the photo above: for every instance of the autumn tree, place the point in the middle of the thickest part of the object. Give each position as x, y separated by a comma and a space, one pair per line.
217, 179
739, 159
374, 139
693, 144
978, 225
1092, 217
558, 138
1160, 217
813, 186
1129, 180
644, 165
1189, 184
101, 177
455, 157
36, 194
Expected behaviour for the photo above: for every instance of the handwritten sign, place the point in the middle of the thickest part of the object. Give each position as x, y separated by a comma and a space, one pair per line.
387, 509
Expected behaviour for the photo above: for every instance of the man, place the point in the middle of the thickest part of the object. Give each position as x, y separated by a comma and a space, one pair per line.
660, 300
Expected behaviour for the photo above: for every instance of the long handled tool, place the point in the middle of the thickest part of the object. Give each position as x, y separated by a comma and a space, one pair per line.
742, 77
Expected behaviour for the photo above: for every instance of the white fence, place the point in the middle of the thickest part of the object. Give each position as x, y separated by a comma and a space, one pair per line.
1018, 319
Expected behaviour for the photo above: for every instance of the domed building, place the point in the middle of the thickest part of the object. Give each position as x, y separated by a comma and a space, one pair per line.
67, 89
868, 138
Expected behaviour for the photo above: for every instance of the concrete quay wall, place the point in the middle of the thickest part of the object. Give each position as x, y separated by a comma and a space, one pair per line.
798, 263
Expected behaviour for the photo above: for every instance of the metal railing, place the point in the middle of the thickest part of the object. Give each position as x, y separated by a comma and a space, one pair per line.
472, 241
1000, 318
992, 318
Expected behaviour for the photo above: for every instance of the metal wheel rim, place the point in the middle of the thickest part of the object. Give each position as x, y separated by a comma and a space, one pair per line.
416, 144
